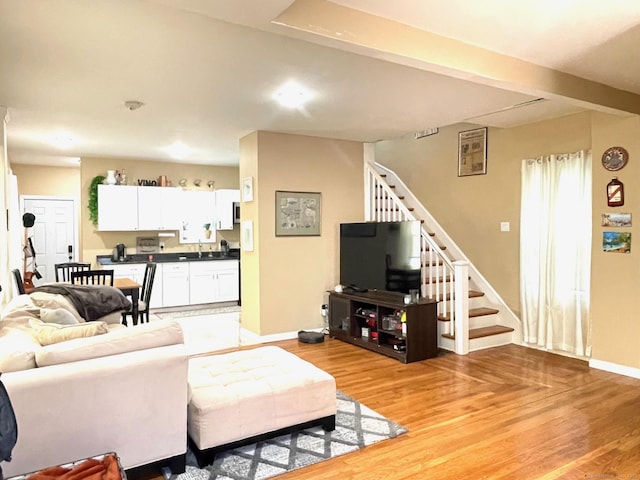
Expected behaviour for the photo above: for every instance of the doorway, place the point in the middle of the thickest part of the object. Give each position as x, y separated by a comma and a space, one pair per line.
54, 233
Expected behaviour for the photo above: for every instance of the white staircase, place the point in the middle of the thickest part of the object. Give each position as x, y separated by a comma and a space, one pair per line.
471, 314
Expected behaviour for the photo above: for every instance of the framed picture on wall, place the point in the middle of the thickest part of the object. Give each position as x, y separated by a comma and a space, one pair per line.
472, 152
247, 189
298, 213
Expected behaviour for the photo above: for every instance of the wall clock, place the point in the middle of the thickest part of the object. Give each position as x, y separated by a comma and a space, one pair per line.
614, 158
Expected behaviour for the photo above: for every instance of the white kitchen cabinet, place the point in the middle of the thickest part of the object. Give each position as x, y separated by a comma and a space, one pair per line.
214, 281
202, 282
134, 271
224, 199
227, 284
159, 208
175, 284
117, 208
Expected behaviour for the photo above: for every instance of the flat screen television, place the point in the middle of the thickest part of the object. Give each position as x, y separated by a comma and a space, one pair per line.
380, 255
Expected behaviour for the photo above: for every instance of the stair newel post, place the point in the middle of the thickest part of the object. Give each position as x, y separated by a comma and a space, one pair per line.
369, 190
461, 295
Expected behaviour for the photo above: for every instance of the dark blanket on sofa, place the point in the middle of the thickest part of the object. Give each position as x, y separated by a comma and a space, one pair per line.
91, 301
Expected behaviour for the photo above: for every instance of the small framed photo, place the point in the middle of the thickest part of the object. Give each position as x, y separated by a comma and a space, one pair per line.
247, 189
472, 152
616, 242
616, 219
297, 213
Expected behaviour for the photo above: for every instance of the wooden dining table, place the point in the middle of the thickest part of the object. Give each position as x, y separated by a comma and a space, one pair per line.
131, 289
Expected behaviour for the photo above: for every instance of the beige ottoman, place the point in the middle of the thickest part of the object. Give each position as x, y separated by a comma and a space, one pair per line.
244, 396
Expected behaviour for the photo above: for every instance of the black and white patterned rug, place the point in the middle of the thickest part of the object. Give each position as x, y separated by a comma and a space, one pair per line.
356, 427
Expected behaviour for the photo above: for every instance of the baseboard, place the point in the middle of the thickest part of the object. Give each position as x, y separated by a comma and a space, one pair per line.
276, 337
615, 368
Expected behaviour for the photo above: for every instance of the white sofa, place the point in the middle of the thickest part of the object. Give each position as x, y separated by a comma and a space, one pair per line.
124, 391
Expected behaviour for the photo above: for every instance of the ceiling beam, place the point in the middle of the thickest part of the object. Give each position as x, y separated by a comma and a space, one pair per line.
328, 23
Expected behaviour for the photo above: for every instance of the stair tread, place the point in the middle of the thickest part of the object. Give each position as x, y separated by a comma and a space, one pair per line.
483, 332
473, 312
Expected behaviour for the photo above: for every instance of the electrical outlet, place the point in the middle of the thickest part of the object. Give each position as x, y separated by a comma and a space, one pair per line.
161, 246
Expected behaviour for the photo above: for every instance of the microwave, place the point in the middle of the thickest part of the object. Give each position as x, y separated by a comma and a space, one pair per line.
236, 212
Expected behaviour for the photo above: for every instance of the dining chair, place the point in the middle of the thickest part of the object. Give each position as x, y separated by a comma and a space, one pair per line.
63, 270
145, 296
18, 278
92, 277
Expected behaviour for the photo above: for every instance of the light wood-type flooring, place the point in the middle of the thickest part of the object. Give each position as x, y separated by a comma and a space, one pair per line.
504, 413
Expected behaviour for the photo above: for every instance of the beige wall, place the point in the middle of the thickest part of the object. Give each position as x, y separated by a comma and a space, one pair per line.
471, 209
102, 243
293, 273
615, 278
47, 181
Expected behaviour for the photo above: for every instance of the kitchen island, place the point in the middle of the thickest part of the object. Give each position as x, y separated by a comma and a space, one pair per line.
183, 278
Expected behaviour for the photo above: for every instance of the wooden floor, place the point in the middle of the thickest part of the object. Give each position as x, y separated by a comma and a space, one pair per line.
503, 413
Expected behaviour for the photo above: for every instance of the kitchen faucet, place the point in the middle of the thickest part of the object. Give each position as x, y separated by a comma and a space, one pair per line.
199, 249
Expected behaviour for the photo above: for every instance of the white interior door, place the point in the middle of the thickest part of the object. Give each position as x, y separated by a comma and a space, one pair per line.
53, 233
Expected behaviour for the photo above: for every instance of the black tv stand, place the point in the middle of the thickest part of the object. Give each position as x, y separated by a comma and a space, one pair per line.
373, 320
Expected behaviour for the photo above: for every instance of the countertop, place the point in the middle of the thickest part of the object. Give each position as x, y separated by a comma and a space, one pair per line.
234, 254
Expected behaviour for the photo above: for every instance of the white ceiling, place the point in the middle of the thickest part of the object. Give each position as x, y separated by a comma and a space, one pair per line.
206, 70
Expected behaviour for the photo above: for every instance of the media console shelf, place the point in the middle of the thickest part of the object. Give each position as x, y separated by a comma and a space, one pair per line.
380, 321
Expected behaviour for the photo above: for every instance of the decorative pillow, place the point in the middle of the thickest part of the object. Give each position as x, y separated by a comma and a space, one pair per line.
53, 301
58, 315
50, 333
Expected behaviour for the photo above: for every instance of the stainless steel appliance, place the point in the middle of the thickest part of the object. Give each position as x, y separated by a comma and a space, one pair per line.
236, 212
119, 253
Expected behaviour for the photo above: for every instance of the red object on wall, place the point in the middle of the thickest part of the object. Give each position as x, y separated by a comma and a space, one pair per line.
615, 193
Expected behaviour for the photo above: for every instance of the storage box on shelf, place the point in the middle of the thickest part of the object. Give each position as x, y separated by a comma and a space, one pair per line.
382, 322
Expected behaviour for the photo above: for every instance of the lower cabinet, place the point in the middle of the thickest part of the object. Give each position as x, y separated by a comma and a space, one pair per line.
175, 284
186, 283
214, 282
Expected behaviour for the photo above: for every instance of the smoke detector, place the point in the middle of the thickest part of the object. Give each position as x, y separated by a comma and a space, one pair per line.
133, 105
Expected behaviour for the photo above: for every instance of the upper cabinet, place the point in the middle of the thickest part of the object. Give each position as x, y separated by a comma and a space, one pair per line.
196, 214
117, 208
159, 208
130, 208
224, 207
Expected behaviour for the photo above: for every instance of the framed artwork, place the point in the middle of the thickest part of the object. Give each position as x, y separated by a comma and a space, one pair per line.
616, 219
247, 189
617, 242
298, 213
472, 152
247, 235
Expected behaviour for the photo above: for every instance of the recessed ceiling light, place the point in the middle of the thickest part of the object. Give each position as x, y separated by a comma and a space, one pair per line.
178, 150
292, 95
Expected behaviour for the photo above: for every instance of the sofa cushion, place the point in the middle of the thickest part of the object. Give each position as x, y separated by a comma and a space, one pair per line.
139, 337
18, 349
50, 333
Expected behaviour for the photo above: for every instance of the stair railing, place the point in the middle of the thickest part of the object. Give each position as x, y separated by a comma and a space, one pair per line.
441, 279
